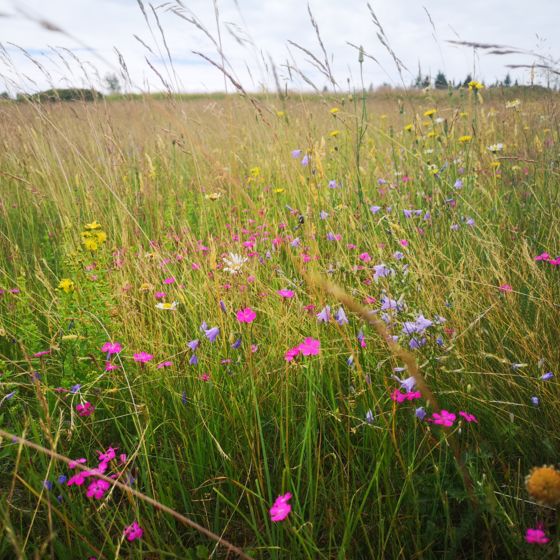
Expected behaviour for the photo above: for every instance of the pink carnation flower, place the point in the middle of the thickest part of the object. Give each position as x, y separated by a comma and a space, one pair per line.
281, 508
133, 532
246, 315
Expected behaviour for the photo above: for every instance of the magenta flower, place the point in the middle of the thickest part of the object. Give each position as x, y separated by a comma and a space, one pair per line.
165, 364
85, 409
246, 315
291, 354
142, 357
310, 347
536, 536
468, 417
444, 418
108, 455
169, 280
281, 508
542, 257
133, 532
400, 397
285, 293
97, 489
76, 462
110, 367
111, 348
365, 257
42, 353
505, 288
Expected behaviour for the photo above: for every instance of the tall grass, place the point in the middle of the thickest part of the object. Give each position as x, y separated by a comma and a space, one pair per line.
178, 184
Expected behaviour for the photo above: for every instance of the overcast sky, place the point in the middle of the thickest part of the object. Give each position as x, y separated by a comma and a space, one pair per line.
254, 32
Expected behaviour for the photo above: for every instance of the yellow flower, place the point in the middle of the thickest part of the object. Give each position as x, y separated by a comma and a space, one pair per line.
90, 244
101, 237
495, 164
280, 114
463, 114
334, 110
334, 133
430, 113
213, 196
408, 127
543, 484
279, 191
474, 85
464, 139
93, 225
146, 287
431, 134
67, 285
255, 171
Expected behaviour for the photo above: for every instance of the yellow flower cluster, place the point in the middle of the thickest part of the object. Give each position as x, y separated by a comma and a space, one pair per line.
93, 236
66, 285
474, 85
543, 485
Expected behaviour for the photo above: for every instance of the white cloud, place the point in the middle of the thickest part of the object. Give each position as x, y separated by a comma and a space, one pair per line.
266, 27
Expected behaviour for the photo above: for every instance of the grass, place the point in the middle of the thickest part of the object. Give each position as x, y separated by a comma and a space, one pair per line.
177, 184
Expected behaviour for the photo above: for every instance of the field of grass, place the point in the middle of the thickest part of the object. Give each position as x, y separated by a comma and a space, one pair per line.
300, 294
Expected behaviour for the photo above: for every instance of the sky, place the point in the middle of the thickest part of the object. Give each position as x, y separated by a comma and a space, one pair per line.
63, 43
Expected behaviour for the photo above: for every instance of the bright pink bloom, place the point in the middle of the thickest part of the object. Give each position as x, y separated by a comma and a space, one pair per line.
365, 257
400, 397
542, 257
133, 532
97, 489
111, 348
505, 288
444, 418
169, 280
554, 262
281, 508
76, 462
536, 536
42, 353
285, 293
108, 455
165, 364
246, 315
159, 295
291, 354
85, 409
110, 367
142, 357
468, 417
205, 377
404, 242
310, 347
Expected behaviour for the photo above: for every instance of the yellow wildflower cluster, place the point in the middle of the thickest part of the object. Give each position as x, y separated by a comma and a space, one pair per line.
474, 85
93, 236
66, 285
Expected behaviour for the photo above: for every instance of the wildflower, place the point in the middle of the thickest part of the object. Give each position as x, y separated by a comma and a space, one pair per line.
286, 294
281, 508
324, 315
364, 257
535, 401
193, 344
168, 306
420, 413
418, 326
205, 377
381, 271
133, 532
111, 348
474, 85
513, 104
465, 139
547, 376
369, 417
67, 285
430, 113
374, 209
165, 364
76, 462
93, 225
334, 110
234, 263
246, 315
458, 184
296, 153
536, 536
468, 417
333, 184
399, 397
505, 288
496, 147
193, 361
310, 347
97, 489
291, 353
542, 257
305, 160
85, 409
543, 484
444, 418
340, 317
212, 333
90, 244
142, 357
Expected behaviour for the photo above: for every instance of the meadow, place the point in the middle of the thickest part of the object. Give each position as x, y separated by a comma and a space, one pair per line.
302, 326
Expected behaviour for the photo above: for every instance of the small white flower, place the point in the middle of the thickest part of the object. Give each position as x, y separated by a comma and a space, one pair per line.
234, 263
167, 306
496, 147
